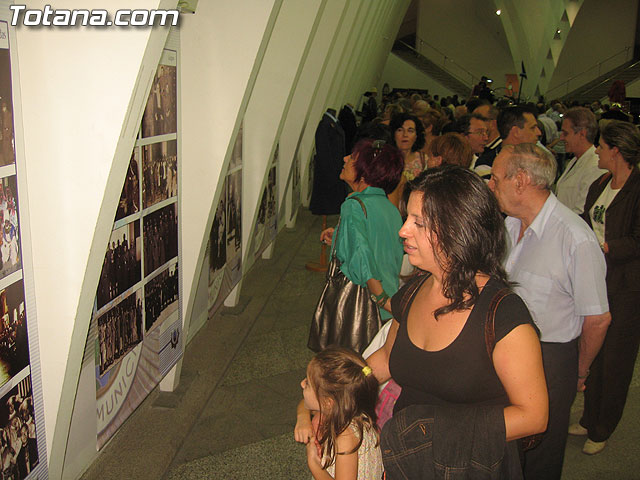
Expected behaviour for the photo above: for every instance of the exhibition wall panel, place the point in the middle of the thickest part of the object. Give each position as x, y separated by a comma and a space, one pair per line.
217, 83
79, 134
225, 237
22, 423
136, 324
313, 68
269, 102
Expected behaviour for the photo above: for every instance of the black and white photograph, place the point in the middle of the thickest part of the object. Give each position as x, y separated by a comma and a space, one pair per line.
161, 296
130, 197
310, 169
7, 138
236, 155
258, 231
266, 226
14, 345
159, 172
121, 266
10, 257
18, 443
217, 237
295, 185
160, 114
160, 230
234, 217
119, 330
271, 195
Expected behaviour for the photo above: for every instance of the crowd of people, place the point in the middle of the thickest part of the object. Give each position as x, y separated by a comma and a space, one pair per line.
522, 224
119, 330
160, 238
159, 293
121, 266
18, 446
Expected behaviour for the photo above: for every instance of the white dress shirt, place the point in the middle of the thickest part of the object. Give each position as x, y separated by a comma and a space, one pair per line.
560, 270
573, 185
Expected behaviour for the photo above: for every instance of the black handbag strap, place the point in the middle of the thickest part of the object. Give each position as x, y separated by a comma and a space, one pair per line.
489, 324
411, 291
530, 441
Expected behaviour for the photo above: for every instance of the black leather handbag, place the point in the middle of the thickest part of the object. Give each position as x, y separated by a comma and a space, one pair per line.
346, 315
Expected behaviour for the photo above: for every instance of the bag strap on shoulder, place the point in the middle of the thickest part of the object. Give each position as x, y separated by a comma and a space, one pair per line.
489, 324
364, 209
411, 292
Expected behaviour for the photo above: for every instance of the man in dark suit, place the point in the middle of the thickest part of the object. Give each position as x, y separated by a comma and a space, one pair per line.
370, 106
328, 190
347, 119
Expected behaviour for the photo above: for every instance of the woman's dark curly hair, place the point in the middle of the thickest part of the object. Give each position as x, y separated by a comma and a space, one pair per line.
398, 120
468, 233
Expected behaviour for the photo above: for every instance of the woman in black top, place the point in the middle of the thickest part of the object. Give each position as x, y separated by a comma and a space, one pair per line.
436, 349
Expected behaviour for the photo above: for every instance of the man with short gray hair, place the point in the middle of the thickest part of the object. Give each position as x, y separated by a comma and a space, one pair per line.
560, 272
579, 130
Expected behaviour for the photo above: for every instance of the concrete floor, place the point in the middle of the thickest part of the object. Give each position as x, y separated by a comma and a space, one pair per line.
233, 414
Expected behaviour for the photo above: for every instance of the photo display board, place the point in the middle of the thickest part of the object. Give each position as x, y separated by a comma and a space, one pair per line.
137, 315
266, 228
296, 193
225, 237
22, 437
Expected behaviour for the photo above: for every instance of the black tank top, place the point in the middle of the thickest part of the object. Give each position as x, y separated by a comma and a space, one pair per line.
462, 372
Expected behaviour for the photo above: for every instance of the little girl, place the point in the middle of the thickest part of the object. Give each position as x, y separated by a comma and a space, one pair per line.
341, 391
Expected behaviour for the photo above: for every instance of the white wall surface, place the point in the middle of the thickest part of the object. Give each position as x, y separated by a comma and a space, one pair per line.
601, 30
400, 74
325, 83
297, 118
633, 89
470, 34
216, 85
268, 103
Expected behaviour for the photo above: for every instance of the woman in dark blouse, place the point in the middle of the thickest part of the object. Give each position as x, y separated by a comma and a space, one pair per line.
612, 210
436, 349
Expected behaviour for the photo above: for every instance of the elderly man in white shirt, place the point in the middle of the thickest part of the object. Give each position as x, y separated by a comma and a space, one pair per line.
560, 270
579, 130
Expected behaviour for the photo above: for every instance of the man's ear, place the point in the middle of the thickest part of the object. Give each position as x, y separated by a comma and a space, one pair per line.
515, 132
583, 133
522, 180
